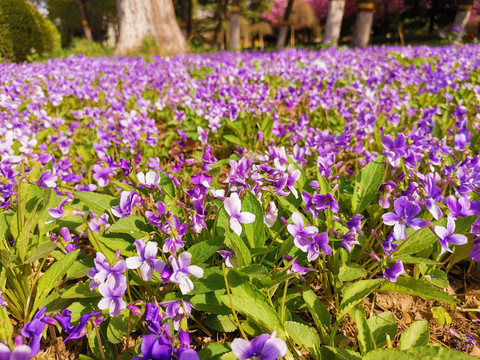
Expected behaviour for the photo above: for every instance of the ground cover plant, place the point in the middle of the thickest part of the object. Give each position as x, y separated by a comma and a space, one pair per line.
296, 204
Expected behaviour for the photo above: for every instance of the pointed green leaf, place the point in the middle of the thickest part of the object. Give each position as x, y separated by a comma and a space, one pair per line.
417, 334
367, 184
98, 203
364, 335
382, 325
303, 335
255, 231
355, 293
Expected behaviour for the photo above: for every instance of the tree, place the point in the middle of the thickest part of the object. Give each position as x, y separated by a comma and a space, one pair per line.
334, 21
149, 20
83, 15
282, 33
235, 26
463, 15
363, 24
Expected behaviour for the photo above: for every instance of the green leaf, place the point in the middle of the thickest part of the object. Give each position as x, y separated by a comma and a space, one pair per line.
255, 231
167, 186
409, 259
411, 286
212, 280
251, 302
364, 335
203, 250
214, 351
118, 325
351, 272
319, 312
303, 335
255, 270
437, 353
355, 293
210, 302
234, 140
367, 184
417, 334
222, 323
382, 325
442, 317
41, 251
84, 357
98, 203
52, 276
425, 237
341, 354
134, 226
79, 291
242, 254
389, 354
437, 277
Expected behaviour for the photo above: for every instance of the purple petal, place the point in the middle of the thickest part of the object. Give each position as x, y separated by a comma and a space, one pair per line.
235, 226
242, 349
457, 239
246, 218
146, 271
441, 232
232, 204
134, 262
450, 225
195, 270
400, 231
22, 352
390, 218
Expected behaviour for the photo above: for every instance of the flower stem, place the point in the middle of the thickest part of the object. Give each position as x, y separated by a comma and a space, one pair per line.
231, 303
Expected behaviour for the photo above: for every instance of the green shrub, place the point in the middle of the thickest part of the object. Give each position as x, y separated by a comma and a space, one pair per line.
23, 31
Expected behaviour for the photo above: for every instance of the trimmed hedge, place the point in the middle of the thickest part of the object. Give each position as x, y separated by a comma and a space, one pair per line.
23, 31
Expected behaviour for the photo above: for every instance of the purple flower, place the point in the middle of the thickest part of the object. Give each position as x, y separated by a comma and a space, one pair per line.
475, 251
459, 208
174, 242
20, 352
154, 219
265, 347
300, 233
58, 212
392, 273
128, 199
112, 298
293, 176
271, 214
350, 239
296, 267
155, 348
3, 303
446, 235
188, 354
233, 206
74, 332
319, 245
34, 329
228, 256
405, 212
177, 310
47, 180
103, 272
154, 316
147, 260
319, 202
149, 180
97, 222
101, 174
181, 268
394, 149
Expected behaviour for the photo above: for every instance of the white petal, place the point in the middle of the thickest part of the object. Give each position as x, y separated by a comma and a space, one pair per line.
235, 226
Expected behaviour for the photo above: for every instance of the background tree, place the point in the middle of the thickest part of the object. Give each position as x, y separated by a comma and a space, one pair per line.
149, 20
363, 24
334, 21
235, 26
464, 10
282, 33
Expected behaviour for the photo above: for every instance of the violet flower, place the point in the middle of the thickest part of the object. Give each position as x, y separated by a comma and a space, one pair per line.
155, 348
318, 245
47, 180
300, 233
181, 268
101, 174
154, 316
74, 332
34, 329
177, 310
271, 214
405, 212
233, 206
3, 303
446, 235
229, 256
112, 298
128, 199
147, 260
154, 219
265, 347
103, 272
58, 212
392, 273
474, 252
20, 352
174, 242
149, 180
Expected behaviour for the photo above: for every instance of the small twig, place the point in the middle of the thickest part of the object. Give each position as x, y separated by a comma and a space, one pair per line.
231, 303
99, 340
53, 336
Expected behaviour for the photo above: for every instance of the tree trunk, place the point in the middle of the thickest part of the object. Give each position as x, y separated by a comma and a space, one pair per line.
363, 24
83, 15
336, 9
190, 17
149, 20
463, 15
235, 26
282, 34
219, 14
262, 43
184, 17
292, 36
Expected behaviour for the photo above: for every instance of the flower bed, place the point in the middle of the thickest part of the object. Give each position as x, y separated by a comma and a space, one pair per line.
167, 208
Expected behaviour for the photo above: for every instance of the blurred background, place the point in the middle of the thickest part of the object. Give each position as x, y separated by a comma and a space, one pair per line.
38, 29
